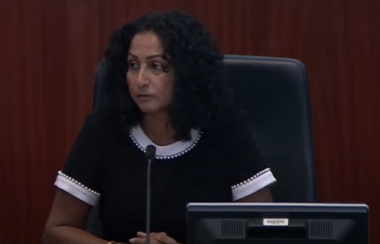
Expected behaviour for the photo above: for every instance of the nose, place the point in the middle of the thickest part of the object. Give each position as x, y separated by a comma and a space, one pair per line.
142, 79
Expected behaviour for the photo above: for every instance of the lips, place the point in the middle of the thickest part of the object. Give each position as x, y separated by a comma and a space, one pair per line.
144, 97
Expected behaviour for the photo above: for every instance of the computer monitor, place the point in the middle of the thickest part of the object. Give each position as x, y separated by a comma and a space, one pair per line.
277, 223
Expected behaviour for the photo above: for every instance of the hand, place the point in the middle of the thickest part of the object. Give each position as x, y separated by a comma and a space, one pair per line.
155, 238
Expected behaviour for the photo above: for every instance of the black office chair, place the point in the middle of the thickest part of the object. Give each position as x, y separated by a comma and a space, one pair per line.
275, 93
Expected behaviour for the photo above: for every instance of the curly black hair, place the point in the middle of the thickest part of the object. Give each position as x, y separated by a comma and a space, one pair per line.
202, 97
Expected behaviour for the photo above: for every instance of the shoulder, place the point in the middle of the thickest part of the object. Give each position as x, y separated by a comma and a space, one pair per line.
101, 129
235, 140
237, 130
242, 159
102, 122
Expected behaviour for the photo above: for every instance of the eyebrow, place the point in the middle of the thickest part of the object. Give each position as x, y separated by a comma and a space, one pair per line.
149, 57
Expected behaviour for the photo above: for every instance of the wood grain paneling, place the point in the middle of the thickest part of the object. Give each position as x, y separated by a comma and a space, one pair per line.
50, 49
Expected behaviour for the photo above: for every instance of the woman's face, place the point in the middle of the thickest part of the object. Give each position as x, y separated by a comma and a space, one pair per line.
150, 77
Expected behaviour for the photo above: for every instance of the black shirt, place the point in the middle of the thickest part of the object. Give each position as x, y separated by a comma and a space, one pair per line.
108, 168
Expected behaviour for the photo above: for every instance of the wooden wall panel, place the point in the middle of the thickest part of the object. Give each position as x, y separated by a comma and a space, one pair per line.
24, 157
50, 49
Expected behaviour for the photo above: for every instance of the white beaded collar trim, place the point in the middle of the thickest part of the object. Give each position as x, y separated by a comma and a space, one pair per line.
141, 140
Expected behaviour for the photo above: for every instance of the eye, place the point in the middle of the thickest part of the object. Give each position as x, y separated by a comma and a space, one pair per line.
156, 66
133, 65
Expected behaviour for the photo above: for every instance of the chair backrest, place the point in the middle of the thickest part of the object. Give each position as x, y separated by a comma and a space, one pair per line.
275, 93
100, 98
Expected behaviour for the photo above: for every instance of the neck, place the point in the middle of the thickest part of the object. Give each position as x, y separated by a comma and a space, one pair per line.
158, 129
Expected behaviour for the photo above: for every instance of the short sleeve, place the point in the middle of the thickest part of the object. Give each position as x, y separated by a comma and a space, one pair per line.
249, 171
80, 176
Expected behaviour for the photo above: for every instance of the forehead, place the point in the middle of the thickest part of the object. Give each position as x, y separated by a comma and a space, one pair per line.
146, 44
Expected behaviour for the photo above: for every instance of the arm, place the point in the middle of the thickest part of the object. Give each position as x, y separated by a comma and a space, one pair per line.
263, 195
67, 220
251, 178
78, 187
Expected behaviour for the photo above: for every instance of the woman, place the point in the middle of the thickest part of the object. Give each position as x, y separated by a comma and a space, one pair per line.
166, 88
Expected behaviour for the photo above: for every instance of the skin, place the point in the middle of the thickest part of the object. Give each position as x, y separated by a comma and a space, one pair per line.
151, 83
151, 86
263, 195
146, 76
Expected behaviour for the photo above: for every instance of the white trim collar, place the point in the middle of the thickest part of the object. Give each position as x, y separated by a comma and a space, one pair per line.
141, 140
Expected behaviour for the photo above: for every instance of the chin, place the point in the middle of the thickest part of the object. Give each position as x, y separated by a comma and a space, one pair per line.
146, 108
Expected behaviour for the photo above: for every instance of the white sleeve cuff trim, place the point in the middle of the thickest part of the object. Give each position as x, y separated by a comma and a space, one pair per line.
76, 189
252, 186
